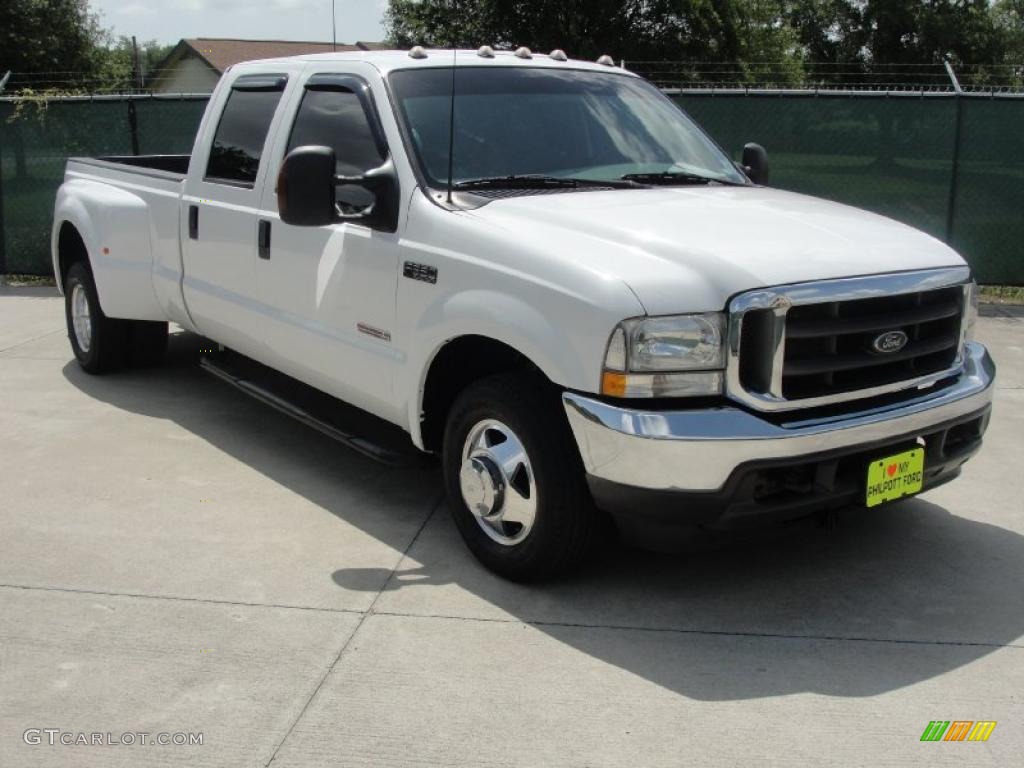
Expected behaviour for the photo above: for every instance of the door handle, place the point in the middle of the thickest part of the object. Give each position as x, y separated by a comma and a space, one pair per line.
193, 222
263, 239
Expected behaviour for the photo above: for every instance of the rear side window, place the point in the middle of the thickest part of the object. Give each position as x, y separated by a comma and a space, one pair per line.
242, 131
334, 116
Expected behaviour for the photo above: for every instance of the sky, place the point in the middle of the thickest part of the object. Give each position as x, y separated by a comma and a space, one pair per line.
167, 21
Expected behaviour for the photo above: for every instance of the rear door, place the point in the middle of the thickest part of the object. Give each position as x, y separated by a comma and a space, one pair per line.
330, 291
219, 211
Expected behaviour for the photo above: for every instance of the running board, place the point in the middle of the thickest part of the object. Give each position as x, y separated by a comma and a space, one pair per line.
244, 375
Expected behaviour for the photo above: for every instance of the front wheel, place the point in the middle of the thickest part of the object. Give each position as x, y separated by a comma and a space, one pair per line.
515, 481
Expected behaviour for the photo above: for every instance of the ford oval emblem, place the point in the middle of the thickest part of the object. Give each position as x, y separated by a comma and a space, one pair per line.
889, 342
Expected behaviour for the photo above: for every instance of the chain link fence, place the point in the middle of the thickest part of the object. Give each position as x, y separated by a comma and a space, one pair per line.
846, 76
950, 164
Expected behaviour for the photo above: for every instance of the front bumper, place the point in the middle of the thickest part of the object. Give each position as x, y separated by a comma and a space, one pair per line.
656, 459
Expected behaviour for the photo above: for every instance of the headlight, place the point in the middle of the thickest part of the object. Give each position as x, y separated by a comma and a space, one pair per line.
676, 356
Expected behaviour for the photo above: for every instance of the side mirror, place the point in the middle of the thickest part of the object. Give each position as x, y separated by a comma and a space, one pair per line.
755, 163
307, 193
305, 187
382, 185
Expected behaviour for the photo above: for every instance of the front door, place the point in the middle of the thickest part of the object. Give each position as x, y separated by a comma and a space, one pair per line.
330, 291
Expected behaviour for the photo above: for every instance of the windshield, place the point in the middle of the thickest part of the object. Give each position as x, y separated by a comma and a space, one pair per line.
519, 121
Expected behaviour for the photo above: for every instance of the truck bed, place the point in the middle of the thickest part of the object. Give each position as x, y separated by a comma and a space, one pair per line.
173, 165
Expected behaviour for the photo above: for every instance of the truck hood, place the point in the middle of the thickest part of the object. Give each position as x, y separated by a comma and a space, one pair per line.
691, 248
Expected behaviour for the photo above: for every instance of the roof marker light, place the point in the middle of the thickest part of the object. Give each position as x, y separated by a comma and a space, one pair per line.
485, 52
524, 53
558, 55
417, 52
606, 60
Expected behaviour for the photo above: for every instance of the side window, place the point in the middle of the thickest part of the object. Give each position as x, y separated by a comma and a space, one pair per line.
242, 131
333, 116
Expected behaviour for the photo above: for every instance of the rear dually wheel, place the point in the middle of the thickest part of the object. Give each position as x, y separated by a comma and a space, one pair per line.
102, 343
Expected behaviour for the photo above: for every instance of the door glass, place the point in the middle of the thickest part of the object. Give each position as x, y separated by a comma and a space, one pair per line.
238, 143
335, 118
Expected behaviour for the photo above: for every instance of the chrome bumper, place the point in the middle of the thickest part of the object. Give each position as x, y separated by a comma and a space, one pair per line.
697, 450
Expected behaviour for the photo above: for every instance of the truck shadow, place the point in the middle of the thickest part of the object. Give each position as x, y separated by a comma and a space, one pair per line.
891, 597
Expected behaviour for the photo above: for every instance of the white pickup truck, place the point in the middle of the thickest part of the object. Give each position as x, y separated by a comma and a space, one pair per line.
544, 271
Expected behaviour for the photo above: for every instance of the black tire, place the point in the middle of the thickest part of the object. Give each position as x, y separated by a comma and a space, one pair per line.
108, 339
566, 525
147, 342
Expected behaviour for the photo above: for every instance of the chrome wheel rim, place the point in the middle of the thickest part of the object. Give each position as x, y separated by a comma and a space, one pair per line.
497, 482
81, 320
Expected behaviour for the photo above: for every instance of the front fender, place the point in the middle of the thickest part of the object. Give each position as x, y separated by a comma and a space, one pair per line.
564, 357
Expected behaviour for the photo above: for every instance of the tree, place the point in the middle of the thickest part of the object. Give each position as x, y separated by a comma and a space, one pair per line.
61, 38
116, 65
1009, 21
56, 37
828, 30
885, 39
55, 48
910, 31
704, 30
765, 35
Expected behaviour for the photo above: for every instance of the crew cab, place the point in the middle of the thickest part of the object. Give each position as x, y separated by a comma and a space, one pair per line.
543, 271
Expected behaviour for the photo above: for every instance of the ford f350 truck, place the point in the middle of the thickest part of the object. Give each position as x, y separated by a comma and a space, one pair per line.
545, 272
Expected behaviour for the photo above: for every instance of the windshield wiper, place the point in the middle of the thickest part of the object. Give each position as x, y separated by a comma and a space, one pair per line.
674, 177
516, 181
539, 181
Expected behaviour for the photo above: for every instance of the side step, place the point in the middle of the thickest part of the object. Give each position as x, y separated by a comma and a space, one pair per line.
345, 423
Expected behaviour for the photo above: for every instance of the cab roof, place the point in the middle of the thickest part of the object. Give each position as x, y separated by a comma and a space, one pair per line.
391, 60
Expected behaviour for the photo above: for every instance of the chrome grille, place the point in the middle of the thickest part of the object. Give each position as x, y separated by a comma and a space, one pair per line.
818, 343
829, 347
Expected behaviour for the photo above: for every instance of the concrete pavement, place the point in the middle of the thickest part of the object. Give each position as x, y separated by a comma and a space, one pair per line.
175, 557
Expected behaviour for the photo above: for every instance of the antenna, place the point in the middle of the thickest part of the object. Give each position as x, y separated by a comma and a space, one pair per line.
334, 29
451, 128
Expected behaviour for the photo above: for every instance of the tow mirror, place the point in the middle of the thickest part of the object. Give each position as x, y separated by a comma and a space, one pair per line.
755, 163
311, 194
305, 187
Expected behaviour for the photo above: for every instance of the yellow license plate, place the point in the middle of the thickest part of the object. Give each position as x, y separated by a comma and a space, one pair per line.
896, 476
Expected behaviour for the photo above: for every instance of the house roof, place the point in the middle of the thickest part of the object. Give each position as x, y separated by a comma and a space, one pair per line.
220, 53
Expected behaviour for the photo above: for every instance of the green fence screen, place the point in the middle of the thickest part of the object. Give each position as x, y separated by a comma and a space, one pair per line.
952, 166
36, 142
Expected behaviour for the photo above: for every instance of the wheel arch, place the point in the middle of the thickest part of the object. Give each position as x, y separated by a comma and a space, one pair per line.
455, 364
70, 248
73, 237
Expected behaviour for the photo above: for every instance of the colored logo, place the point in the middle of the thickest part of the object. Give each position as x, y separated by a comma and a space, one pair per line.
889, 342
958, 730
